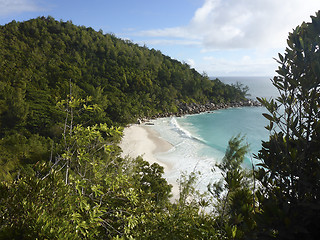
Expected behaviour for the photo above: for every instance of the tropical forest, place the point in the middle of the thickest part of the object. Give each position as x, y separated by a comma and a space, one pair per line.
66, 94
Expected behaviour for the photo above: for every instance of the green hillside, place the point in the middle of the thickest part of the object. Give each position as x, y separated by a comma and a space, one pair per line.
40, 57
44, 62
67, 91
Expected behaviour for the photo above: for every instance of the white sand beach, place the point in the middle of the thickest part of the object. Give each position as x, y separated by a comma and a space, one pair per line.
141, 140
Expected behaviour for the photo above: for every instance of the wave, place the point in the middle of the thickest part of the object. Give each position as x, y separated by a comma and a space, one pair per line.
183, 132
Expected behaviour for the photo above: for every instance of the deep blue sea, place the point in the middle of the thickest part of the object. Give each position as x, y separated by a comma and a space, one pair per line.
200, 140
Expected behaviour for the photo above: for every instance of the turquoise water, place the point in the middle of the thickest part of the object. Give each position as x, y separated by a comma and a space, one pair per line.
199, 141
216, 129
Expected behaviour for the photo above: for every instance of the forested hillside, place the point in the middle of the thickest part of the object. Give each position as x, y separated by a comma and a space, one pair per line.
66, 92
44, 62
40, 57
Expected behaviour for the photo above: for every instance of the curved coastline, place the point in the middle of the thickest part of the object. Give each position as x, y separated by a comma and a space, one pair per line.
146, 141
142, 140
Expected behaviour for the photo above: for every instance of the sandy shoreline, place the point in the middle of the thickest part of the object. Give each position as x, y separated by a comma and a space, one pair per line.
142, 140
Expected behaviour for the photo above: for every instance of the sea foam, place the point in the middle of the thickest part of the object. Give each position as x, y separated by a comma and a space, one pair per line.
200, 140
185, 156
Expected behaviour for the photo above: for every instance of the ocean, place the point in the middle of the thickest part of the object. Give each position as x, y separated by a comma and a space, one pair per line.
200, 140
258, 86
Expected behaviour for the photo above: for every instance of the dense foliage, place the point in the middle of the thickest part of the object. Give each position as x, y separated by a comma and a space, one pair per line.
43, 60
65, 91
290, 177
39, 57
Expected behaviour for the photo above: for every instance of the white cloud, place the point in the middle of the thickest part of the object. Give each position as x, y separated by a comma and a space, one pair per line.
242, 66
227, 32
191, 62
238, 24
17, 6
170, 42
177, 32
202, 13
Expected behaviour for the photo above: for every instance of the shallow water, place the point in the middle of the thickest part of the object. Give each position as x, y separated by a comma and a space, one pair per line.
201, 140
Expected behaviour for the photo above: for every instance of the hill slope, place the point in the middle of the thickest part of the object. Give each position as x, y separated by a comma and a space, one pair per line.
41, 56
44, 61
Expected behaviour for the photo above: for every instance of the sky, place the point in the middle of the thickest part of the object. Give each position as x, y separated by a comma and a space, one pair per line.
216, 37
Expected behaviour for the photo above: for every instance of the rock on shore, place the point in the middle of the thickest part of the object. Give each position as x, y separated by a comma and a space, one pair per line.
195, 108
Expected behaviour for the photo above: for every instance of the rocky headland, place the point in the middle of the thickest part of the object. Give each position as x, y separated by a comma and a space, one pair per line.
195, 108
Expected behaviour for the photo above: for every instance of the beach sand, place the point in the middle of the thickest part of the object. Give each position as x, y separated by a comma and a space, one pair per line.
141, 140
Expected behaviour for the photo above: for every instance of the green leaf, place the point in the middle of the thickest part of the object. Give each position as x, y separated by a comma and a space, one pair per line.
280, 57
301, 42
268, 116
